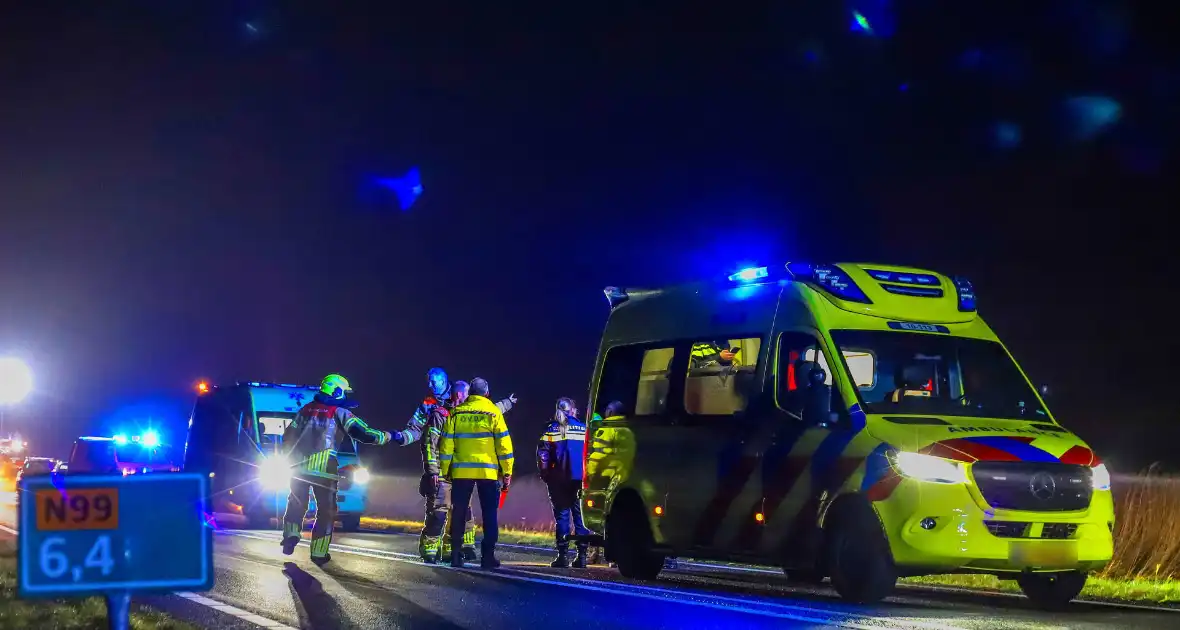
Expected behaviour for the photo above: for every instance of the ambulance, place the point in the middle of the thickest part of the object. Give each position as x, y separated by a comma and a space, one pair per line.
235, 436
858, 422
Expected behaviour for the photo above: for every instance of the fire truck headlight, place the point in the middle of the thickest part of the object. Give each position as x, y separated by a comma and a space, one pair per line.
275, 473
360, 476
929, 468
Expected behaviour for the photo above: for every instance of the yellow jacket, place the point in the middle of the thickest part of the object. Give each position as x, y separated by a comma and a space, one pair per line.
475, 442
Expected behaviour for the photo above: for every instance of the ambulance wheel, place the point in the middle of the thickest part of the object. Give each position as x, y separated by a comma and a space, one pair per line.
858, 555
629, 541
1052, 590
350, 523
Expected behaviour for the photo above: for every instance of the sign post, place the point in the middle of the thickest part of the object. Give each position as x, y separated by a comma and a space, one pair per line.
111, 536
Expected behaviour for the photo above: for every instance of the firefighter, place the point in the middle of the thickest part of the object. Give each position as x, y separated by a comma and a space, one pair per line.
475, 455
313, 438
560, 461
426, 425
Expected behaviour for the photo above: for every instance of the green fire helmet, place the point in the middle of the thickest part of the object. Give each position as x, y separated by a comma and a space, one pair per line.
335, 386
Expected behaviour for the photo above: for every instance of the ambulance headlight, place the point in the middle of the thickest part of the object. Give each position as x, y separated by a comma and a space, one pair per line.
275, 473
360, 476
929, 468
1100, 477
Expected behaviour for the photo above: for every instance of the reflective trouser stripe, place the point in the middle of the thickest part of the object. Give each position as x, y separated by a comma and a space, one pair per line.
319, 546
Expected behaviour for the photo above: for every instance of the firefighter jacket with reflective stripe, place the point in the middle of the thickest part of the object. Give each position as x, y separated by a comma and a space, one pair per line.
475, 442
317, 432
561, 451
430, 431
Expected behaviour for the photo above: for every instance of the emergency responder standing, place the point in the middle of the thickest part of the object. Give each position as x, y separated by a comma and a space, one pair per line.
426, 425
560, 460
476, 457
313, 438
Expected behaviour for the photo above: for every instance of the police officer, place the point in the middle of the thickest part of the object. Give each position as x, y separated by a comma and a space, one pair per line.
560, 456
476, 457
313, 438
426, 426
708, 353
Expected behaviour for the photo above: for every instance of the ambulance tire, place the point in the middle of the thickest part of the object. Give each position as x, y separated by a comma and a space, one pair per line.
1052, 591
350, 523
858, 555
630, 540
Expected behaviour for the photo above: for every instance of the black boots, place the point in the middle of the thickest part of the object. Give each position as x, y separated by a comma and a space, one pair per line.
563, 560
581, 561
289, 544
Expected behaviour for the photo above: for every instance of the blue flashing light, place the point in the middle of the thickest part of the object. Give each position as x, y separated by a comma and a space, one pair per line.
966, 294
830, 278
749, 274
150, 439
120, 439
901, 277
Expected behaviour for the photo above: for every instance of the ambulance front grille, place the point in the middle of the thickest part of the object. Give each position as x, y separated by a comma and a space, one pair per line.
1020, 529
1033, 486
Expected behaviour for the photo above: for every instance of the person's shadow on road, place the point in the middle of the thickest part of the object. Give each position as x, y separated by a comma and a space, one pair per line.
317, 609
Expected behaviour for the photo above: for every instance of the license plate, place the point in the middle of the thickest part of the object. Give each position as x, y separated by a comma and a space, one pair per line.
92, 508
1043, 554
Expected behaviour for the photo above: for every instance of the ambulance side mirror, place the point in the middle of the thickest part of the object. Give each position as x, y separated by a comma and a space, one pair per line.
817, 405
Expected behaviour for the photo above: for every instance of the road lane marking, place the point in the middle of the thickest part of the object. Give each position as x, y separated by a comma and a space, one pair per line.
901, 585
244, 615
706, 600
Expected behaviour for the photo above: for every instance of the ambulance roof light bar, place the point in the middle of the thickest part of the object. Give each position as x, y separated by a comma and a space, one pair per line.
750, 274
830, 278
966, 293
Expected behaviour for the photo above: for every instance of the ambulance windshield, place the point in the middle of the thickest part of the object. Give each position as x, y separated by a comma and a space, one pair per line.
917, 373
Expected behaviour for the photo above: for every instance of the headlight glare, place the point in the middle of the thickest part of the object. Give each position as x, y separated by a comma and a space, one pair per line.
929, 468
360, 476
275, 473
1100, 477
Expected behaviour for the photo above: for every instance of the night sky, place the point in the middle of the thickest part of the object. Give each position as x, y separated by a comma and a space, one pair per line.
186, 190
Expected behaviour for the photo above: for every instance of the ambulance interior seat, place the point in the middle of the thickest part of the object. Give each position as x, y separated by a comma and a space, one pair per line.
907, 377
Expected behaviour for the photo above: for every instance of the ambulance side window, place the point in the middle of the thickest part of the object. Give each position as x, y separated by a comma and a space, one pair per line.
637, 376
798, 354
720, 372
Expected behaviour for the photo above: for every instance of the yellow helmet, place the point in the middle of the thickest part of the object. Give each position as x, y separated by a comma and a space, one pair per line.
335, 386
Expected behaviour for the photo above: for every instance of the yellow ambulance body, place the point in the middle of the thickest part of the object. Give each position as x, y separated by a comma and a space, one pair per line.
857, 422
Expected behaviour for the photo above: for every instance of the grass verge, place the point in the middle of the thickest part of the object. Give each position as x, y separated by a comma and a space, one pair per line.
67, 614
1142, 591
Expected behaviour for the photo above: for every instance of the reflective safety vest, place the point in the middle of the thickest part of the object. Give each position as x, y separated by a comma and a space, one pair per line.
475, 442
561, 451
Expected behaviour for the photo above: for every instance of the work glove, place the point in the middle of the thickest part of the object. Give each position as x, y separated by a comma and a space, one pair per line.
426, 485
512, 398
507, 481
396, 436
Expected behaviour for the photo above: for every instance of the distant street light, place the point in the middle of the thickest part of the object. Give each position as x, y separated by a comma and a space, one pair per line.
16, 380
16, 383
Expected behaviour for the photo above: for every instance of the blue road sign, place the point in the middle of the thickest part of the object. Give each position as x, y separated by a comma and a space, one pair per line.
95, 535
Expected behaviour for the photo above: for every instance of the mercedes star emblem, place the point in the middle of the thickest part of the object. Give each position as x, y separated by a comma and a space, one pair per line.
1042, 486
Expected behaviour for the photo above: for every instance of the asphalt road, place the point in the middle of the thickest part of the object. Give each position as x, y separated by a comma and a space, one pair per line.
375, 581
